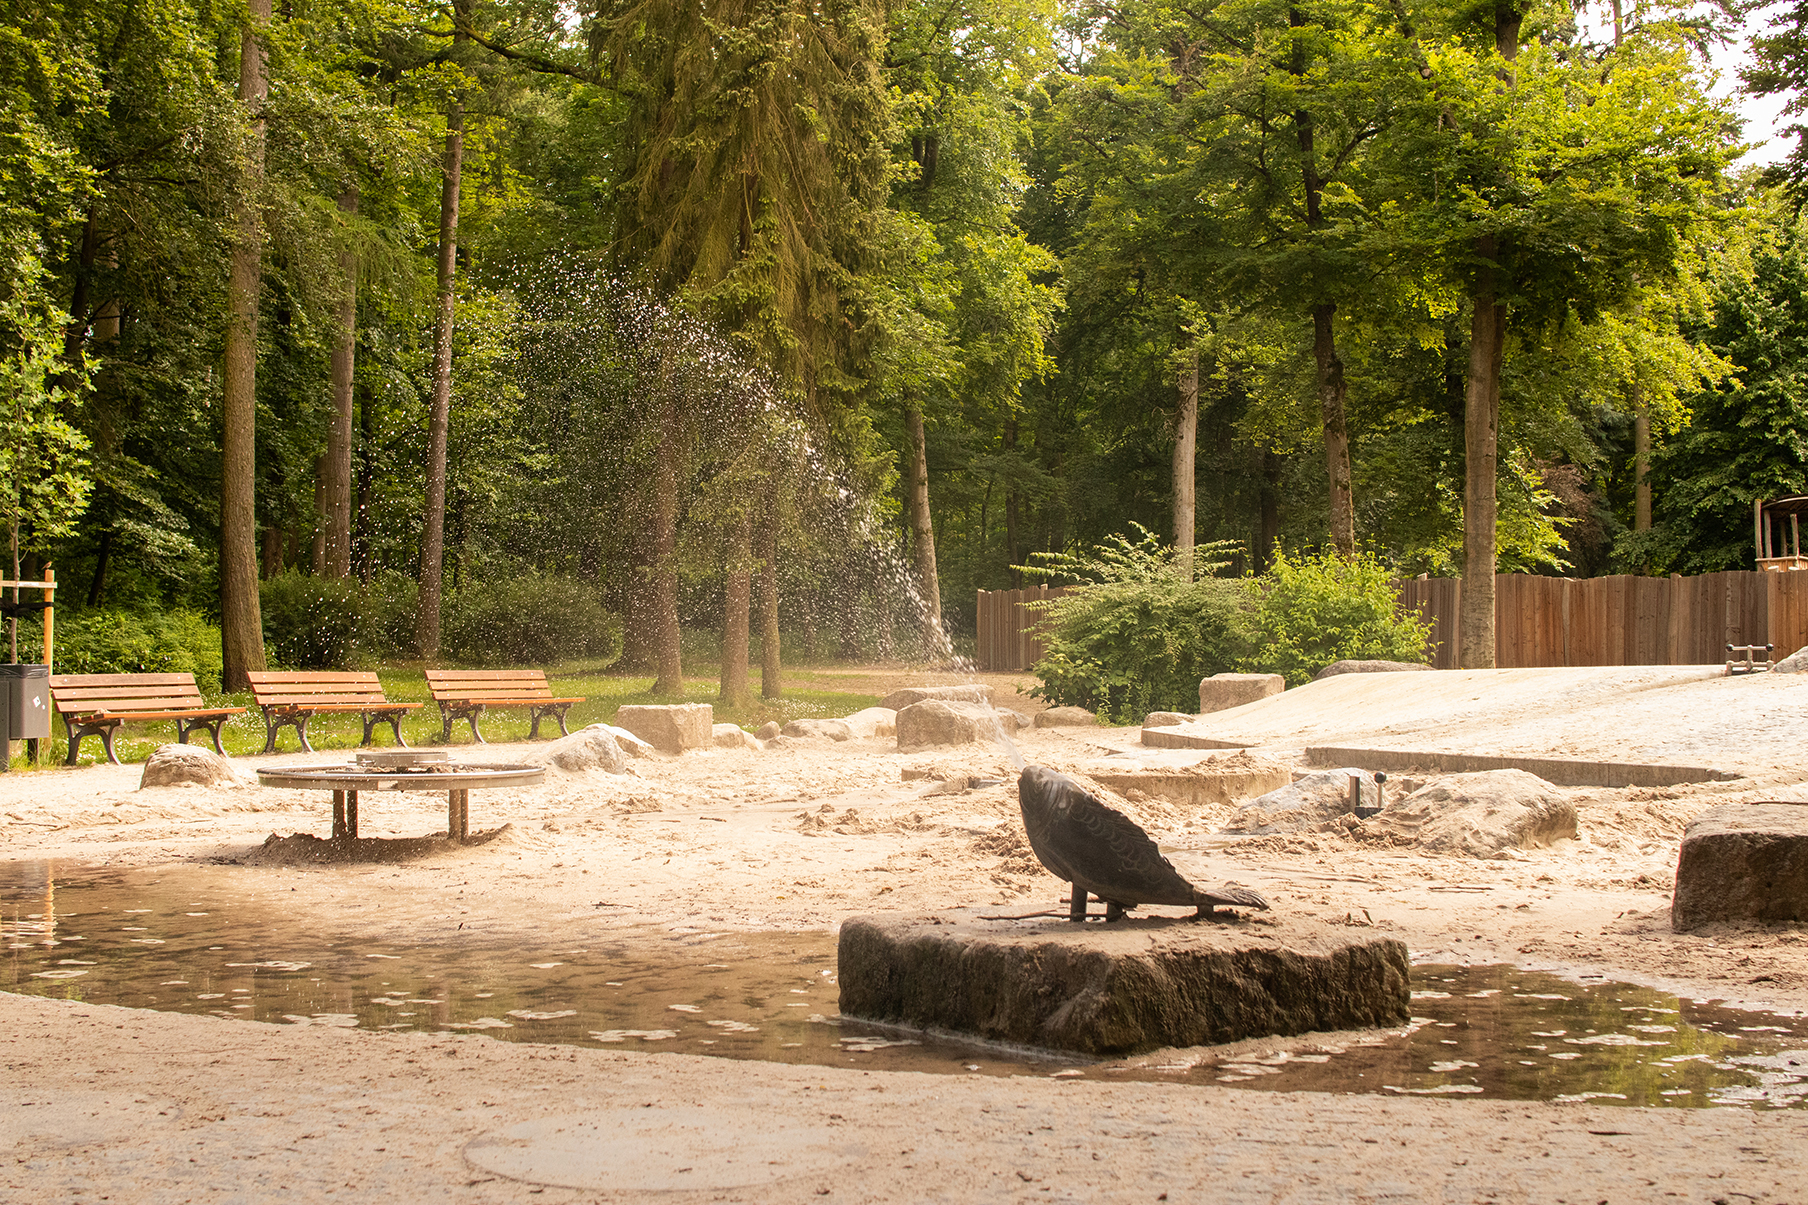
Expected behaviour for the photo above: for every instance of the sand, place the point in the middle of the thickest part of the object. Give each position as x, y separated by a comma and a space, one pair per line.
131, 1105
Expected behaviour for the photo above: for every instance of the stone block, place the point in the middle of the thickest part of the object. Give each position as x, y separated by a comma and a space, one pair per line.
1304, 805
670, 727
1215, 780
592, 748
1795, 663
768, 731
1114, 990
733, 736
972, 692
189, 766
1743, 863
1367, 667
1065, 717
1166, 719
1221, 691
936, 722
1480, 815
872, 722
833, 730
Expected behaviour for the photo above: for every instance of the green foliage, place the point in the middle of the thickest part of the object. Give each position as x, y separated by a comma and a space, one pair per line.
1311, 611
309, 622
386, 615
529, 620
1138, 635
136, 642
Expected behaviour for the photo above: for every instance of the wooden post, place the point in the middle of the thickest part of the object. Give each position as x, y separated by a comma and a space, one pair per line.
338, 814
1758, 527
351, 814
49, 614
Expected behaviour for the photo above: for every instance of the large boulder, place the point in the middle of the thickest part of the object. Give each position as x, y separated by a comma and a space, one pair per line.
872, 723
1743, 863
733, 736
1795, 663
1367, 667
934, 723
1223, 779
1166, 719
973, 692
1478, 815
1308, 805
630, 744
1112, 990
1066, 717
833, 730
670, 727
189, 766
592, 748
1221, 691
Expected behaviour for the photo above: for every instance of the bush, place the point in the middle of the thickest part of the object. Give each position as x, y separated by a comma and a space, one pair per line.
389, 608
528, 620
1319, 609
310, 622
135, 642
1140, 635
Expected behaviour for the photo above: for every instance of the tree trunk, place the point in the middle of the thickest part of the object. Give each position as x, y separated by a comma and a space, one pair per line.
1641, 460
241, 624
1331, 391
1013, 511
1186, 446
922, 535
433, 538
367, 432
737, 602
336, 514
770, 686
103, 556
666, 651
1481, 427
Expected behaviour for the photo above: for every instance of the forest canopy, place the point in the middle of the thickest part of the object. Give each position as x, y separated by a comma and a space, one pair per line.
798, 322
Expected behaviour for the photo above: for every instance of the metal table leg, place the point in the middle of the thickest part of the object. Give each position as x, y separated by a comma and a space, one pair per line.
458, 814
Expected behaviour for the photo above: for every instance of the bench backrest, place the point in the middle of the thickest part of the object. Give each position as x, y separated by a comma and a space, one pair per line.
449, 685
88, 693
288, 688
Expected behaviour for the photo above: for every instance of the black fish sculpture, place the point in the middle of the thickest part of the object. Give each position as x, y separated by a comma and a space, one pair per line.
1102, 851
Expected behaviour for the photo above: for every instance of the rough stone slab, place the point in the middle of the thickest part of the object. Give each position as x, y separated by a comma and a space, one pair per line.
1066, 717
592, 748
1304, 805
1212, 781
1220, 692
833, 730
189, 766
974, 692
1165, 719
872, 722
1480, 815
936, 722
733, 736
1562, 771
1137, 985
1368, 667
1742, 863
1795, 663
670, 727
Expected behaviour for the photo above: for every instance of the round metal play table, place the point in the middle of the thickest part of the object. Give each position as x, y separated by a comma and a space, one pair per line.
402, 770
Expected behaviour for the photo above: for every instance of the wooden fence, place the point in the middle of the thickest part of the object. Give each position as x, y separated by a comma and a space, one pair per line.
1621, 620
1006, 639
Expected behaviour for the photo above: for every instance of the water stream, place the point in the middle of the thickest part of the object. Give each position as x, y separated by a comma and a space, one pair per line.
175, 942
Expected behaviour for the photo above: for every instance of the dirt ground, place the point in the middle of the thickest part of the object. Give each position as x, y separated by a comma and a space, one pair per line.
142, 1106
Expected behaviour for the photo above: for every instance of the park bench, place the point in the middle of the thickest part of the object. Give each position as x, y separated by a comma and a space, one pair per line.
466, 693
290, 700
97, 704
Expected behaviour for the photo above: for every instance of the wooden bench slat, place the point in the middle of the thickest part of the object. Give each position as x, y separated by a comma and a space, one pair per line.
289, 677
338, 696
126, 692
79, 680
191, 713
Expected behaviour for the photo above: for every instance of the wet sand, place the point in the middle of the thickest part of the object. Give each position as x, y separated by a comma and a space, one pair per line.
797, 839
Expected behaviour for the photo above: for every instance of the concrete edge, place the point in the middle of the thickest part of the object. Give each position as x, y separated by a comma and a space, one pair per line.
1171, 738
1561, 771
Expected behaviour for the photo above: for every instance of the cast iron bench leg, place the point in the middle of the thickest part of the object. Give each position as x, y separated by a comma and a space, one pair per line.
392, 718
270, 726
475, 711
445, 730
106, 740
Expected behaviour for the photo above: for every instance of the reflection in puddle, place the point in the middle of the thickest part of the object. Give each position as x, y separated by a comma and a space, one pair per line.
1483, 1032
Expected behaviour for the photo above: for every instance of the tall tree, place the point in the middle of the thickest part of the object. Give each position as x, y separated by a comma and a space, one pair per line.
241, 627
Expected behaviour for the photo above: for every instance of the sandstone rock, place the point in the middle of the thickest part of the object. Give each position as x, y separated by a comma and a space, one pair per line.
768, 731
733, 736
936, 722
1227, 778
1795, 663
1743, 863
1366, 667
872, 722
1166, 719
1302, 806
669, 727
631, 744
1233, 690
1111, 991
1065, 717
1479, 815
1013, 721
898, 700
592, 748
189, 766
834, 730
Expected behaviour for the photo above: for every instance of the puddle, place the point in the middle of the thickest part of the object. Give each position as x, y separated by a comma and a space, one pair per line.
140, 941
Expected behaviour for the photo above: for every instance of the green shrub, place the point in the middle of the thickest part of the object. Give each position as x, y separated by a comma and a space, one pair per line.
388, 610
1138, 636
528, 620
135, 642
310, 622
1319, 609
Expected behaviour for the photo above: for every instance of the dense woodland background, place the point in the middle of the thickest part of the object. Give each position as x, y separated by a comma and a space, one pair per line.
511, 330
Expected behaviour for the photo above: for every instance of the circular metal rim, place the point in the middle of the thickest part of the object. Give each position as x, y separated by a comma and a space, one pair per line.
404, 757
352, 778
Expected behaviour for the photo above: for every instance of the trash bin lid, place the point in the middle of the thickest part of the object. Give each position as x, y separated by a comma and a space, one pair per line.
24, 671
